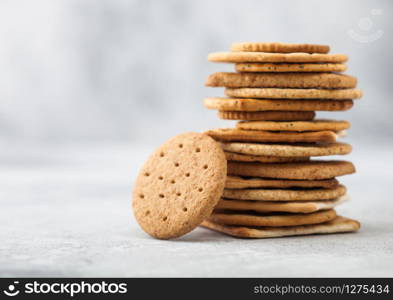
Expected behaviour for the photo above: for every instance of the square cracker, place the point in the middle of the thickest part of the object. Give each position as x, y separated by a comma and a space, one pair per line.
271, 206
338, 225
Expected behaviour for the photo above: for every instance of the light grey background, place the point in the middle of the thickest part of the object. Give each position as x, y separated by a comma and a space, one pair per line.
89, 88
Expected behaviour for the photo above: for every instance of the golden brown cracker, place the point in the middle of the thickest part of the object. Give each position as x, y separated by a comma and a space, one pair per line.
291, 67
273, 206
237, 182
311, 170
265, 159
244, 104
277, 47
267, 115
271, 219
284, 93
240, 135
261, 57
337, 225
265, 194
294, 150
281, 80
179, 185
298, 126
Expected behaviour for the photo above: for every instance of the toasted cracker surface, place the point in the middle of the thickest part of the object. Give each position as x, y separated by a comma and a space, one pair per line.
293, 150
245, 57
277, 47
338, 225
237, 182
271, 219
179, 185
240, 135
300, 126
252, 105
312, 170
281, 80
291, 67
272, 206
267, 115
265, 159
264, 194
283, 93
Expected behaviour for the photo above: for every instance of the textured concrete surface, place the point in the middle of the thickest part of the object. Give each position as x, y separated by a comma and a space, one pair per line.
65, 211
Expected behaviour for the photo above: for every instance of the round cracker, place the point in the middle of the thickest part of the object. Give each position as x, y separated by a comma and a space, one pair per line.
179, 185
275, 93
300, 150
272, 219
285, 194
240, 57
243, 104
281, 80
311, 170
277, 47
293, 67
299, 126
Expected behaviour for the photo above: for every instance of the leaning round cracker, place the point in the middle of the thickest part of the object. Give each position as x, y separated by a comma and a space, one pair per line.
240, 57
179, 185
244, 104
237, 182
285, 194
272, 206
337, 225
240, 135
298, 126
264, 159
295, 150
276, 93
277, 47
272, 219
267, 115
293, 67
311, 170
281, 80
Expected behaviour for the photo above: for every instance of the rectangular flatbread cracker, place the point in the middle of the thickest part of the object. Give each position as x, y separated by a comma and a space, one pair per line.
338, 225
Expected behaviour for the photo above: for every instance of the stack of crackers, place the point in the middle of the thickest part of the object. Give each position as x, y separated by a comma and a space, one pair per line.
260, 179
275, 185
